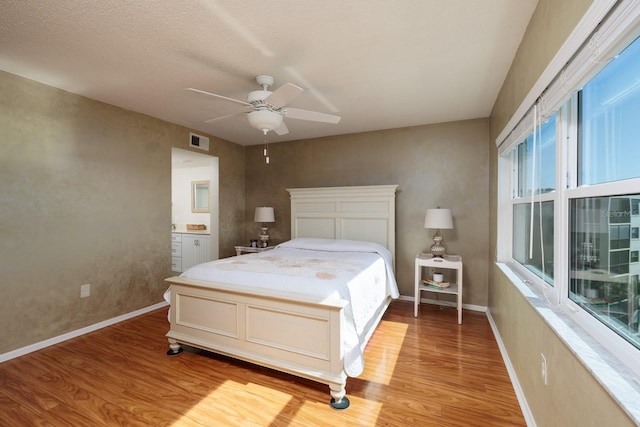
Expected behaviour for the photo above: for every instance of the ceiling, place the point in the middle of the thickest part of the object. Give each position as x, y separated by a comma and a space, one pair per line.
378, 64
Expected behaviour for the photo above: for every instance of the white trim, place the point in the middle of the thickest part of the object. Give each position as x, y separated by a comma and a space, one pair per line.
472, 307
522, 400
619, 30
505, 208
79, 332
594, 15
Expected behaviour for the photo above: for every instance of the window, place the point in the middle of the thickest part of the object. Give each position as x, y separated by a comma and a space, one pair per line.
601, 228
535, 167
534, 250
609, 111
599, 276
573, 193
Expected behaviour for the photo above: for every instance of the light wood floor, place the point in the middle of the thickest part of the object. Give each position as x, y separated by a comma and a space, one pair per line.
425, 371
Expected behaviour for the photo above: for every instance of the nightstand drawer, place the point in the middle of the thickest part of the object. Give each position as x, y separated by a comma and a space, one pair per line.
176, 264
176, 237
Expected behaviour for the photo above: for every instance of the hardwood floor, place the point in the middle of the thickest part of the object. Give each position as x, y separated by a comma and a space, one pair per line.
425, 371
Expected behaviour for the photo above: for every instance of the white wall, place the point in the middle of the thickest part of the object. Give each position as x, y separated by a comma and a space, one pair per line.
188, 166
181, 196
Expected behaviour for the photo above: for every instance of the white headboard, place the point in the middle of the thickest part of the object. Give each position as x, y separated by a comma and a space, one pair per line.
355, 213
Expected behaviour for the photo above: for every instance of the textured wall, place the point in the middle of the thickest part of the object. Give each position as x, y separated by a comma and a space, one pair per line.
549, 27
573, 397
85, 197
441, 165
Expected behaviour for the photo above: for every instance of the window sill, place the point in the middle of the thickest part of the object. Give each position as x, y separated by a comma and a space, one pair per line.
610, 372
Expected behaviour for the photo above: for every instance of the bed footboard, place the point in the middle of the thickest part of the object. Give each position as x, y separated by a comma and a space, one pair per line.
249, 326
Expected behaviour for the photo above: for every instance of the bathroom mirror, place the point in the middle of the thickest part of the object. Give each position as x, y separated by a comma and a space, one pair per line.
200, 196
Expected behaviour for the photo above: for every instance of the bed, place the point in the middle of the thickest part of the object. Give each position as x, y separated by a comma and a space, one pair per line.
327, 287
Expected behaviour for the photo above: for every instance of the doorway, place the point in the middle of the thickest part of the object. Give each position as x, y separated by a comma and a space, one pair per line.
188, 167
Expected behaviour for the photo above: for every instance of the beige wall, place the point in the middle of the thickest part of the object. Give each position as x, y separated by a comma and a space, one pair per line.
441, 165
572, 397
85, 197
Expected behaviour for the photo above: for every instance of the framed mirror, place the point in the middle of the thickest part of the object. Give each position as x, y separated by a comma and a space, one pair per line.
200, 196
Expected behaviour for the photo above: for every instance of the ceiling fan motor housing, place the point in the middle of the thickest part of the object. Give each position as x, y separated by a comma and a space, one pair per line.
258, 95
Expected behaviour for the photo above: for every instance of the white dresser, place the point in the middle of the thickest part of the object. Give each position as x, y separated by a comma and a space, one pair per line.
176, 251
189, 249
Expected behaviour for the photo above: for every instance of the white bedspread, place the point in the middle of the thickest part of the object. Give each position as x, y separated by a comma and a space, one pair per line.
360, 273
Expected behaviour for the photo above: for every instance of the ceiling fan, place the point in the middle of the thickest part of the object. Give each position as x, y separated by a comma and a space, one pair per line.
266, 109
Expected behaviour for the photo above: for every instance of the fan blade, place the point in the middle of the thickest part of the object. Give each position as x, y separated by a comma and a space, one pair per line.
282, 129
237, 101
283, 95
215, 119
314, 116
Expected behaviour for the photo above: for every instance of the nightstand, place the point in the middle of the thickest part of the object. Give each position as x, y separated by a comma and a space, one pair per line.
248, 249
448, 262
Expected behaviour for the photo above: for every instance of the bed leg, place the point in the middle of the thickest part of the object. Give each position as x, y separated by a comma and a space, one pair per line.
174, 348
338, 398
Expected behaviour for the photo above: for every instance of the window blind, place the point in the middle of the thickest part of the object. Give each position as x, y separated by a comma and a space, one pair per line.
606, 27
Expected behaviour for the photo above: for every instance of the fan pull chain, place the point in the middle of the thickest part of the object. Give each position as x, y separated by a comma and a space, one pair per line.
265, 150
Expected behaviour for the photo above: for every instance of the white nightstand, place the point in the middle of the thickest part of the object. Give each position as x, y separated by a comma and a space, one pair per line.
248, 249
448, 262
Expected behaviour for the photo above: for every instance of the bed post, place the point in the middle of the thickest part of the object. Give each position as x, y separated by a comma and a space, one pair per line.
174, 348
338, 398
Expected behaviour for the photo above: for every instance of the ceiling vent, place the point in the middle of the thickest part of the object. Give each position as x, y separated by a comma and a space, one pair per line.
199, 141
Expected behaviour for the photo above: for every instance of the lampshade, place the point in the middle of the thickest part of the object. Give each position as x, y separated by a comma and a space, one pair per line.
438, 219
265, 120
264, 214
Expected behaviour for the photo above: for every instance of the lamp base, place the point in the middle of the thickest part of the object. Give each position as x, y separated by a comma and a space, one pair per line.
437, 250
264, 237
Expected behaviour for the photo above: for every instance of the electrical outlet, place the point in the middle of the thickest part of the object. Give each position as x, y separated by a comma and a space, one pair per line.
85, 290
543, 368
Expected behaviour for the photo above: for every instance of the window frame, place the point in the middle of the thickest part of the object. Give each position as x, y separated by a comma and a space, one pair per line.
620, 29
549, 290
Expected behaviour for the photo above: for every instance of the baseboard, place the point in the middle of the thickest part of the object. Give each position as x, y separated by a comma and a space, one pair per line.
522, 400
472, 307
73, 334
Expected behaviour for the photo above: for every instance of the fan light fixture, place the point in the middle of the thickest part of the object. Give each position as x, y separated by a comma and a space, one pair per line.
265, 120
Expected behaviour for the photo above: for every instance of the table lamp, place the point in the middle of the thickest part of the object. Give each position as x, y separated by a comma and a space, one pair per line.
264, 215
438, 219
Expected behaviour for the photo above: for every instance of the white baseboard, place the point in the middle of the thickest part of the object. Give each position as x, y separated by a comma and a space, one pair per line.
522, 400
73, 334
471, 307
524, 406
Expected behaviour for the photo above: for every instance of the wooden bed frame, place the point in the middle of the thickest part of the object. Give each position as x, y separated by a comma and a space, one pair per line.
248, 325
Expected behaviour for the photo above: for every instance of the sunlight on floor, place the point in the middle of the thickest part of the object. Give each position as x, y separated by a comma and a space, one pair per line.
270, 404
253, 396
361, 412
387, 351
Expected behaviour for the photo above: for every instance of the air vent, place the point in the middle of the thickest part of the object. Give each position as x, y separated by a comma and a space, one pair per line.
199, 141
